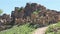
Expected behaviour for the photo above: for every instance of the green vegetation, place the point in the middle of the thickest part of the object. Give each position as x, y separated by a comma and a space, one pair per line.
53, 29
23, 29
20, 9
1, 11
36, 12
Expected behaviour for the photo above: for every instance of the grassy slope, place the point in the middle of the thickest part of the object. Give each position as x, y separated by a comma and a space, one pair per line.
24, 29
53, 29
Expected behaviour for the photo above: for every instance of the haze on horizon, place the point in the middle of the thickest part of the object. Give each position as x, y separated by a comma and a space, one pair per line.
8, 5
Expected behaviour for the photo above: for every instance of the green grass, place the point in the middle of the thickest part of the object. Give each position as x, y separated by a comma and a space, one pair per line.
23, 29
53, 29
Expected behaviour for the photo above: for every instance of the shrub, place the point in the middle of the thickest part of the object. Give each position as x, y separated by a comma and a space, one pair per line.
23, 29
53, 29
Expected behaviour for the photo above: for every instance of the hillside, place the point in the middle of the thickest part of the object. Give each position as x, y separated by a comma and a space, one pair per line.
53, 29
32, 13
23, 29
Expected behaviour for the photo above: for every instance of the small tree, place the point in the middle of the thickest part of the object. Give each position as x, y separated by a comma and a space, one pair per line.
1, 11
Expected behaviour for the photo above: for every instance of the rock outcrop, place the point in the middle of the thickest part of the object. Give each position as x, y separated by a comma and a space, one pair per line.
32, 13
35, 13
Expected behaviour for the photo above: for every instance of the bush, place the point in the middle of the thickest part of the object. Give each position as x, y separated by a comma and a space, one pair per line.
53, 29
23, 29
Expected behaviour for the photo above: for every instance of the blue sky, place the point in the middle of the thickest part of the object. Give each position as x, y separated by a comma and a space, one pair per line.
8, 5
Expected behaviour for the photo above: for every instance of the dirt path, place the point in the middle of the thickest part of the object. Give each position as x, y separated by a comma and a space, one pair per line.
40, 30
